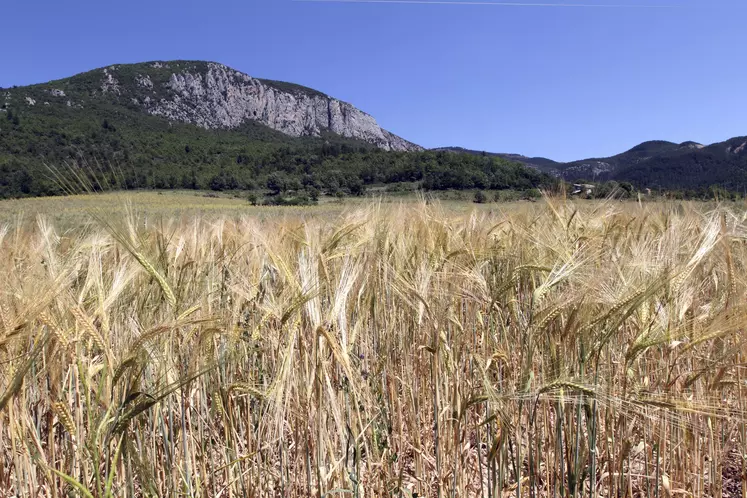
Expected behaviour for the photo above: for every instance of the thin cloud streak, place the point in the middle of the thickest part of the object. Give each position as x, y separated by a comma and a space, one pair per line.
497, 4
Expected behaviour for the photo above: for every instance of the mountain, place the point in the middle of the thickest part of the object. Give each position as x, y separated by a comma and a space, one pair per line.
611, 167
540, 163
214, 96
203, 125
654, 164
692, 166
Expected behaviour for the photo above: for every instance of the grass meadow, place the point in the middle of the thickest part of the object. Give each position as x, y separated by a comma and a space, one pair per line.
191, 346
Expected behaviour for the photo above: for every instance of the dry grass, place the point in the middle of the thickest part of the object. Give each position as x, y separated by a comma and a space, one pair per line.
74, 210
550, 349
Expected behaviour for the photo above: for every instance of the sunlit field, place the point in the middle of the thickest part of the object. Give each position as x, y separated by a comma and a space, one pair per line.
75, 210
193, 346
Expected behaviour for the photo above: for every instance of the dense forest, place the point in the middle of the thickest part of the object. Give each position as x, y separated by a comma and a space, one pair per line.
125, 149
716, 166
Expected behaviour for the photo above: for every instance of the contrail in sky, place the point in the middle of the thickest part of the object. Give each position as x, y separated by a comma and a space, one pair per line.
499, 4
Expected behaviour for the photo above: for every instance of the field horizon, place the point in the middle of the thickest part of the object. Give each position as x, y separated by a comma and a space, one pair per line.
372, 348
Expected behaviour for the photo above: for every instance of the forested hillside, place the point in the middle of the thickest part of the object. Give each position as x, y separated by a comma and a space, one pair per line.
95, 125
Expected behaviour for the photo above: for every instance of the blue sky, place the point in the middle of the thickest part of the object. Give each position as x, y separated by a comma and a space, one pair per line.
560, 82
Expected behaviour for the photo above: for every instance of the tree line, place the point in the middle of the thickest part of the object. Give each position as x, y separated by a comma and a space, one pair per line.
135, 151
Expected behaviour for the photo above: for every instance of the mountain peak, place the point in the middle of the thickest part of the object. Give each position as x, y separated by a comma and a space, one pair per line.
215, 96
652, 146
691, 145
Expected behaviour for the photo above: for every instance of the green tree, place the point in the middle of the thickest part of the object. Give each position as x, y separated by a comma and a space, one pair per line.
277, 183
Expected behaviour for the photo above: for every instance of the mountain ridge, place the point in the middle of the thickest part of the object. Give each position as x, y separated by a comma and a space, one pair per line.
141, 114
541, 163
651, 164
203, 125
213, 95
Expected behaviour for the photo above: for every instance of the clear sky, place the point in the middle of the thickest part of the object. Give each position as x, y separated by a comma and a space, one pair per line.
561, 82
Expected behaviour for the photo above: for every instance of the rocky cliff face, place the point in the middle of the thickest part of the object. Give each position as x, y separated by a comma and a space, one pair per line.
215, 96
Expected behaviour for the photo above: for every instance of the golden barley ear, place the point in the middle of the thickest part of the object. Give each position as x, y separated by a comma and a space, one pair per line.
4, 321
57, 332
90, 329
126, 238
64, 416
165, 287
17, 381
131, 362
245, 388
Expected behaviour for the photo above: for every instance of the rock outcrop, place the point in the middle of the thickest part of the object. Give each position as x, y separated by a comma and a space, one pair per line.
221, 97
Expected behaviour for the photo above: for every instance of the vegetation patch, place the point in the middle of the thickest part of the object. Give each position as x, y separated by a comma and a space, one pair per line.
555, 348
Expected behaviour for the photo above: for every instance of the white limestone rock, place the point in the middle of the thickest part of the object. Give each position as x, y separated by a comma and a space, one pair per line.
225, 98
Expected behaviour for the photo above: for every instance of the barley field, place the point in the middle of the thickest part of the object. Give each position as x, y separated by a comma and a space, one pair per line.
407, 349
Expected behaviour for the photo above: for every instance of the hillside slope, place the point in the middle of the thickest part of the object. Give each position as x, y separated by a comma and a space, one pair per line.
540, 163
203, 125
692, 166
654, 164
605, 168
212, 96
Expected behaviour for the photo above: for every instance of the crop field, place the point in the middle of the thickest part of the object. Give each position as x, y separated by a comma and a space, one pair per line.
74, 211
189, 346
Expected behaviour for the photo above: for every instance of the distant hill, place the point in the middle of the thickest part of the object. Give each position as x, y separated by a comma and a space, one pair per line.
613, 167
654, 164
692, 166
203, 125
540, 163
